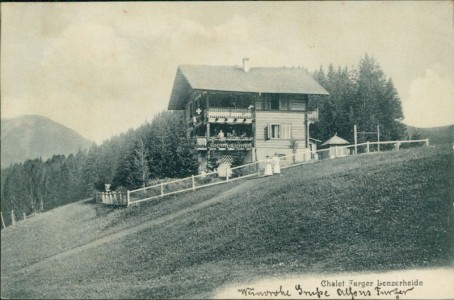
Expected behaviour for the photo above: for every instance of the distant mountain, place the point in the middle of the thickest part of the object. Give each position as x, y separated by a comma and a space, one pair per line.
436, 135
33, 136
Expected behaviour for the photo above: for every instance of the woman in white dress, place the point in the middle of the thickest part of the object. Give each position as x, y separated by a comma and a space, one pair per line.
268, 166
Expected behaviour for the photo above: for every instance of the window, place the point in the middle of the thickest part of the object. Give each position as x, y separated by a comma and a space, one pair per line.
279, 131
275, 102
274, 131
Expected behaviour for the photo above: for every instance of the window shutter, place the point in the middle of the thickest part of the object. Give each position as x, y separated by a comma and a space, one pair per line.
268, 132
286, 131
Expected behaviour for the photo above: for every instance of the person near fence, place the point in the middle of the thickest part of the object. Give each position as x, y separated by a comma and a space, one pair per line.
268, 166
276, 164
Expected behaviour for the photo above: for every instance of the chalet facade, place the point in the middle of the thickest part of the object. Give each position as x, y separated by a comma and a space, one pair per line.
239, 114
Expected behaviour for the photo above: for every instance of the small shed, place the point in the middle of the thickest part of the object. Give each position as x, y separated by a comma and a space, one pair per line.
336, 144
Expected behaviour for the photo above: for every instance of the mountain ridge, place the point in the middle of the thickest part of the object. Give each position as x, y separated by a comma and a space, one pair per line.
36, 136
436, 135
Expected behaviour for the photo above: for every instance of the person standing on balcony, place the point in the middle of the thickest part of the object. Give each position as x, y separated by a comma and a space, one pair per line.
221, 135
276, 164
268, 167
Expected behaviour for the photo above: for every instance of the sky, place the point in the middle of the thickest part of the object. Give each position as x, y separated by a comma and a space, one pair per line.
102, 68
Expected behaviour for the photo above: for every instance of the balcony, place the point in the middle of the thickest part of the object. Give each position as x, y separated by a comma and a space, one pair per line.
312, 116
229, 115
228, 143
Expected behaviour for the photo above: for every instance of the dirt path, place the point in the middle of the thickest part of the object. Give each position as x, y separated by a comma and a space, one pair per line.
118, 235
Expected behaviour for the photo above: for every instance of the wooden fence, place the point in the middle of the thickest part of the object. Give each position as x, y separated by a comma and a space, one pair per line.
112, 198
15, 217
256, 169
244, 171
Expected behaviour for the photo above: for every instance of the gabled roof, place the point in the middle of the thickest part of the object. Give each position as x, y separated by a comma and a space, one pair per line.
335, 140
234, 79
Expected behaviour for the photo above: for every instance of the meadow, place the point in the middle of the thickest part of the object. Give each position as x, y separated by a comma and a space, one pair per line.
378, 212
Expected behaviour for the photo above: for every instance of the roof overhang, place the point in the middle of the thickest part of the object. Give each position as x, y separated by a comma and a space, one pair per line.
180, 92
233, 79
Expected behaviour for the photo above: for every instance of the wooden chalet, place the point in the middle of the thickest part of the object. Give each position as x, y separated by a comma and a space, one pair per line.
239, 114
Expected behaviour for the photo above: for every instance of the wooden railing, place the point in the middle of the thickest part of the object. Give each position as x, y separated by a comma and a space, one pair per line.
256, 169
113, 198
234, 143
229, 113
312, 116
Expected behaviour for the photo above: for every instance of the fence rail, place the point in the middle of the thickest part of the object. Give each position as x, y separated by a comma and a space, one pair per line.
113, 198
240, 172
256, 169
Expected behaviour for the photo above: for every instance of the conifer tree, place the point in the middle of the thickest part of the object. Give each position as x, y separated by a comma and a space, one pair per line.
365, 98
139, 171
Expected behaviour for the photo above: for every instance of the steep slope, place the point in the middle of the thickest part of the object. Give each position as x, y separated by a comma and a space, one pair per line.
32, 136
384, 211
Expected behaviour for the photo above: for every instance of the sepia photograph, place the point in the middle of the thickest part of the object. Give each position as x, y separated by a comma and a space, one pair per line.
227, 150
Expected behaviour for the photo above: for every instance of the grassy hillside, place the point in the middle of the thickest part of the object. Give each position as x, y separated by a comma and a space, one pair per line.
373, 212
436, 135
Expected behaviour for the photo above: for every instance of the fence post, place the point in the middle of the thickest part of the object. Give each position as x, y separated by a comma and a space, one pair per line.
3, 221
162, 189
355, 133
193, 183
378, 138
427, 142
25, 217
13, 218
367, 147
128, 198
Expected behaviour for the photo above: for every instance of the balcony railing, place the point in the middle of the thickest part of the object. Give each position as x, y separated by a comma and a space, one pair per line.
229, 114
312, 116
227, 143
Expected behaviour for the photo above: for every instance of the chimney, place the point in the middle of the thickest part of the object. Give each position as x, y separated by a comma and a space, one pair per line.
246, 65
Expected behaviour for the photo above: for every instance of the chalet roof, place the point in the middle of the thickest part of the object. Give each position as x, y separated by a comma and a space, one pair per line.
335, 140
234, 79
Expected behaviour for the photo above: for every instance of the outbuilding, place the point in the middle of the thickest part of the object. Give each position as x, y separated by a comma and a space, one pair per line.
336, 146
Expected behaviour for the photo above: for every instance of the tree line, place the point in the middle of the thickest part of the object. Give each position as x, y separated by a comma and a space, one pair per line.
364, 97
154, 151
